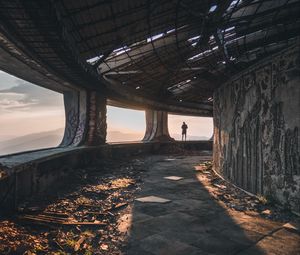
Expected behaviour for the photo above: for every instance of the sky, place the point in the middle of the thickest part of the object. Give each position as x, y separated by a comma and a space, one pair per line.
197, 126
26, 108
125, 120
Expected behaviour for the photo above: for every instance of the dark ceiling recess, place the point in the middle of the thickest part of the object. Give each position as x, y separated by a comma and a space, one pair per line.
175, 52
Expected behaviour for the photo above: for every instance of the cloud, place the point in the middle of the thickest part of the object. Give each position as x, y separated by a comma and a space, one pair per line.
11, 102
26, 108
25, 96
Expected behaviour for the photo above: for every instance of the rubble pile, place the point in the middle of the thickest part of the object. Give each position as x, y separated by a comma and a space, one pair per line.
237, 199
82, 218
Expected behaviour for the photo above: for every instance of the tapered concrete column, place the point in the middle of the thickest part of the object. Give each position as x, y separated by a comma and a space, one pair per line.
97, 119
85, 113
157, 126
76, 117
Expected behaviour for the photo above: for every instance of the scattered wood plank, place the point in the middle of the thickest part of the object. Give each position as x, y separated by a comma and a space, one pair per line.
90, 205
56, 214
119, 206
44, 219
84, 223
79, 242
97, 213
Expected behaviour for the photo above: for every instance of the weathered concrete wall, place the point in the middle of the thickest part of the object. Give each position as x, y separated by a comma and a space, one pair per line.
256, 129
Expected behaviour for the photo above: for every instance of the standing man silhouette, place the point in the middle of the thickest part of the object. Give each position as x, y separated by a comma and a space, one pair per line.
184, 127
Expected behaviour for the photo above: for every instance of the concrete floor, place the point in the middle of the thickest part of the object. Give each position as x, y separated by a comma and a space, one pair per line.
195, 223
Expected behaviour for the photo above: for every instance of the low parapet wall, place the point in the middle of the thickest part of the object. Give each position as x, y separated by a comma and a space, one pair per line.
23, 175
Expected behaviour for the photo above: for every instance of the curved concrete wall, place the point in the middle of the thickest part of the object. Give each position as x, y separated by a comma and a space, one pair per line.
256, 133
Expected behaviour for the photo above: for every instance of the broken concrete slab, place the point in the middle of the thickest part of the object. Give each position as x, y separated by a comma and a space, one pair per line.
173, 178
295, 226
153, 199
169, 159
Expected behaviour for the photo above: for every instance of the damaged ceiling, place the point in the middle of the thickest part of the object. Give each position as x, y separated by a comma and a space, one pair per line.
166, 52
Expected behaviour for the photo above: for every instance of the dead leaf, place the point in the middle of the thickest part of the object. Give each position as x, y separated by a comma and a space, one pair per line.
104, 247
79, 242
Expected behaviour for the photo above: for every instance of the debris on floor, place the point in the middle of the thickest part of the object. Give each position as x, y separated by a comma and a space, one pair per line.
82, 218
93, 213
236, 199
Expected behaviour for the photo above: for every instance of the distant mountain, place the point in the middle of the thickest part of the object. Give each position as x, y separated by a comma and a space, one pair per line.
53, 138
32, 142
117, 136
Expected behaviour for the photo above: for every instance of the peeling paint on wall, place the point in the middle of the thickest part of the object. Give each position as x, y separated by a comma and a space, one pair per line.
256, 129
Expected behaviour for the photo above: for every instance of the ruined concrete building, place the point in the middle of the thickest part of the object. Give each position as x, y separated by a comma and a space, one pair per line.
236, 61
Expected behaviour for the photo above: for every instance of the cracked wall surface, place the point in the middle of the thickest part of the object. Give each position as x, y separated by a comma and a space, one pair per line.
256, 129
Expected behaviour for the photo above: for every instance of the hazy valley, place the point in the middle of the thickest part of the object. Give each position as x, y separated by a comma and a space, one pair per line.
10, 144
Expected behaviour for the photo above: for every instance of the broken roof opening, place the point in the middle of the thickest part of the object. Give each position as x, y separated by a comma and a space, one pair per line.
155, 37
169, 45
180, 87
203, 54
213, 8
94, 59
120, 51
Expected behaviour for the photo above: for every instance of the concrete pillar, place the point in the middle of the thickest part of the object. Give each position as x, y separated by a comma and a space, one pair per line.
157, 126
85, 118
76, 119
97, 119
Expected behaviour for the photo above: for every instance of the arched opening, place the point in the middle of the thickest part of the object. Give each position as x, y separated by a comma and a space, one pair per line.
125, 125
31, 117
199, 128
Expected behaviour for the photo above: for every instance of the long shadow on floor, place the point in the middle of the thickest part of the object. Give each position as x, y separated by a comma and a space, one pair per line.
192, 223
